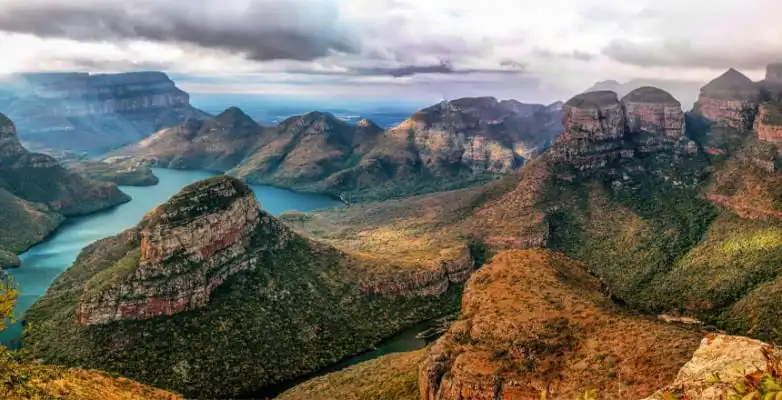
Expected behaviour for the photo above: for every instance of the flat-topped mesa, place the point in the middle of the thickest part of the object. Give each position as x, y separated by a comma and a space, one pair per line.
594, 131
181, 252
729, 101
655, 111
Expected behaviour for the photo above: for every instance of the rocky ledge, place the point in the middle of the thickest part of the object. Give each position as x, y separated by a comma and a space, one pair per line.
186, 248
768, 123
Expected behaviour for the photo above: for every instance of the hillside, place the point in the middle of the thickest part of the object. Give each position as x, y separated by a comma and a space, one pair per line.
667, 227
222, 286
36, 192
450, 145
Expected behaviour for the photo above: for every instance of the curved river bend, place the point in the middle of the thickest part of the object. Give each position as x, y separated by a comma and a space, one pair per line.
42, 264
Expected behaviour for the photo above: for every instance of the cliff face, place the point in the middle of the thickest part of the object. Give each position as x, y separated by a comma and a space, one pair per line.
726, 100
224, 287
768, 123
600, 129
83, 112
186, 249
35, 188
535, 321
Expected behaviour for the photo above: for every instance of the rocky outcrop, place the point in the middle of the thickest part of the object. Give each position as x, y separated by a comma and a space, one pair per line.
455, 267
601, 129
186, 249
768, 123
720, 363
653, 111
729, 101
534, 322
94, 112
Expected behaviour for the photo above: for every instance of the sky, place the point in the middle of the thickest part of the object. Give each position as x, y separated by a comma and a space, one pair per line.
531, 50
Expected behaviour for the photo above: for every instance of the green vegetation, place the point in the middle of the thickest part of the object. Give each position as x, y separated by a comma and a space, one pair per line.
391, 377
108, 277
291, 315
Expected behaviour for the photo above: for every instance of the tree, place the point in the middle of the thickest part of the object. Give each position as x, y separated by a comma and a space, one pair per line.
8, 295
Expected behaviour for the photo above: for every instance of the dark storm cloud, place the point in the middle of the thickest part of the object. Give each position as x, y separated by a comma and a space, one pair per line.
444, 67
262, 30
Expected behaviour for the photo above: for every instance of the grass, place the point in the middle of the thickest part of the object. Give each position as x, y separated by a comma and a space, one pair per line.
108, 277
391, 377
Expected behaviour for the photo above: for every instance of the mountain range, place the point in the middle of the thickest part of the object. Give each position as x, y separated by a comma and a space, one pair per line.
636, 210
450, 145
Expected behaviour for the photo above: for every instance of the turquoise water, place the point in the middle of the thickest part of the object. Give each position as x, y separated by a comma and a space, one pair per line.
46, 261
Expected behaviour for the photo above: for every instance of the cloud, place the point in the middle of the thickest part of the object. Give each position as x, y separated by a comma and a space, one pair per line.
444, 67
262, 29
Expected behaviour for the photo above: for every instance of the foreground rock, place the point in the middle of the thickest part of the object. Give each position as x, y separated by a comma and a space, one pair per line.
225, 288
450, 145
536, 321
94, 112
720, 363
36, 192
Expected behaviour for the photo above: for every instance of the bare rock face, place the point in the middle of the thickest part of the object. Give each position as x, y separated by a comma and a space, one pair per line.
729, 101
95, 112
186, 248
768, 123
594, 131
655, 111
728, 357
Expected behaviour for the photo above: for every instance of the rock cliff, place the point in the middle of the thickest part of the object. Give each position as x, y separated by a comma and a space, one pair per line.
36, 191
601, 129
536, 321
225, 288
95, 112
768, 123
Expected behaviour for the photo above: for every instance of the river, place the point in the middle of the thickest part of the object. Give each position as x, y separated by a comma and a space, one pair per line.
42, 264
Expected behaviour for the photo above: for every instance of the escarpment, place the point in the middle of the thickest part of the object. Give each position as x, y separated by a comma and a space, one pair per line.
224, 287
95, 112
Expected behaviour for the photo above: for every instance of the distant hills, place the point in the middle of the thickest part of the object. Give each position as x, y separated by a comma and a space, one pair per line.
92, 112
450, 145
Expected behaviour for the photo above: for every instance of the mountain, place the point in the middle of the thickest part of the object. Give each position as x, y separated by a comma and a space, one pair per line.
450, 145
216, 144
209, 287
667, 227
36, 192
684, 91
93, 112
